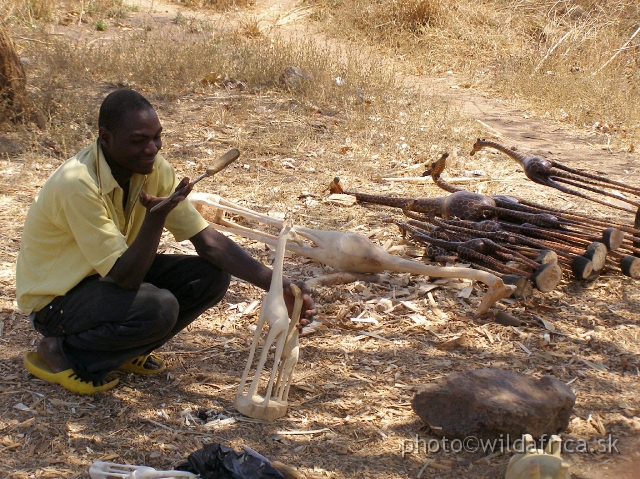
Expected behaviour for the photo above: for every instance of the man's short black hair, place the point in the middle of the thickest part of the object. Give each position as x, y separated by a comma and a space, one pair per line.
117, 103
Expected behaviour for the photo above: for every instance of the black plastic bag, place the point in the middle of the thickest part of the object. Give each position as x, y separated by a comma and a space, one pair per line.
215, 461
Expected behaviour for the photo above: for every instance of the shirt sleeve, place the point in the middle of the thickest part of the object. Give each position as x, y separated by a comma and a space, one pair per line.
184, 221
97, 236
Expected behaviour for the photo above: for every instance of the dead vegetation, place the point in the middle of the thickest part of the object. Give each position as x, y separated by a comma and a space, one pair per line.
573, 61
12, 77
218, 4
216, 87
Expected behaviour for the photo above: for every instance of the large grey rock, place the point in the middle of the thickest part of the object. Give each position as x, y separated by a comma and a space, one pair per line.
486, 403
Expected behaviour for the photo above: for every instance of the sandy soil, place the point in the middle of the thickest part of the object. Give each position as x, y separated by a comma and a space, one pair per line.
355, 381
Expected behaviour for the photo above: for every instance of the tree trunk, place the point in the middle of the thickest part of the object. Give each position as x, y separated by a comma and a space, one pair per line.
13, 80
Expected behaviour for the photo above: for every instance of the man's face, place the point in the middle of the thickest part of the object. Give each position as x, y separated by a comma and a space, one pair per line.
134, 143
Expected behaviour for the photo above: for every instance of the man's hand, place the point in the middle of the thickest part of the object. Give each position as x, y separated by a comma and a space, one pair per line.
131, 268
308, 306
148, 201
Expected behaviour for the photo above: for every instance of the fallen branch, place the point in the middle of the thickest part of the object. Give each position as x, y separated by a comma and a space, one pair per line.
551, 51
179, 431
618, 51
302, 433
424, 179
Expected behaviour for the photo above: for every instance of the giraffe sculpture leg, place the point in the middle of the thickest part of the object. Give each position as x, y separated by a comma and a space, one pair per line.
291, 351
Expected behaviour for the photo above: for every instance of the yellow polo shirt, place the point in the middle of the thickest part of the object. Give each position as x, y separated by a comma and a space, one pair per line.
77, 227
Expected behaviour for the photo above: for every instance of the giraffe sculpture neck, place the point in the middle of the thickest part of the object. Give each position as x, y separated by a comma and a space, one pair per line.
278, 261
515, 155
436, 170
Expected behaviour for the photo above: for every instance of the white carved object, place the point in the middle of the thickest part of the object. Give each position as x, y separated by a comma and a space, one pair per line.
539, 464
271, 403
348, 252
291, 350
111, 470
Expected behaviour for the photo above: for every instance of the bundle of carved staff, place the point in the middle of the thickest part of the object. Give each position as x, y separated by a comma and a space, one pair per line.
510, 235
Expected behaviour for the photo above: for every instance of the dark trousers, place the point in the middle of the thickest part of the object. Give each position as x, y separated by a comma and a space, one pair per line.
101, 326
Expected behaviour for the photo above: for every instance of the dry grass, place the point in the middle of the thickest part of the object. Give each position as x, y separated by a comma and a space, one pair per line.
70, 76
215, 86
548, 54
28, 11
35, 12
218, 4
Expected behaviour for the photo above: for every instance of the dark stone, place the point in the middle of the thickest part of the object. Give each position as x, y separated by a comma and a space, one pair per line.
9, 147
294, 77
486, 403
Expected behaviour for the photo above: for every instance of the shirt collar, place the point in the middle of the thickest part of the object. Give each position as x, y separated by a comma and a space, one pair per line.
106, 182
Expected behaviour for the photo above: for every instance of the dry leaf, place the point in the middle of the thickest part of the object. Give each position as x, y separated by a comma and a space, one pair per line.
465, 292
341, 200
453, 342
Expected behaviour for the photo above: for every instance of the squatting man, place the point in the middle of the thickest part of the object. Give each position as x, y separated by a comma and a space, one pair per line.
89, 274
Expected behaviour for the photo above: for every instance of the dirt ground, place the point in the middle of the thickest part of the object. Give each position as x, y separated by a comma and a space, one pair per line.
349, 413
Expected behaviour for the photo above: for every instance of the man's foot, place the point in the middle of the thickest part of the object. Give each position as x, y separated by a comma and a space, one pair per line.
50, 353
67, 378
145, 364
151, 362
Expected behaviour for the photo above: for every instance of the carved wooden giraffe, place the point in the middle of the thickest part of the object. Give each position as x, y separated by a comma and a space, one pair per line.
348, 252
552, 173
282, 334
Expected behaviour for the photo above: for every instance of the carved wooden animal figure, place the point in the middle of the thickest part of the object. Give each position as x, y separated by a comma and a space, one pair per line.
539, 464
568, 230
551, 173
504, 205
273, 312
612, 235
350, 252
460, 204
112, 470
546, 276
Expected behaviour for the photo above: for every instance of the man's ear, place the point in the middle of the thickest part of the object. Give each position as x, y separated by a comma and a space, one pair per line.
105, 136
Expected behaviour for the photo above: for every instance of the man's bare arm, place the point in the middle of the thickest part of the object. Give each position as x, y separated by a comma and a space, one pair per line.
230, 257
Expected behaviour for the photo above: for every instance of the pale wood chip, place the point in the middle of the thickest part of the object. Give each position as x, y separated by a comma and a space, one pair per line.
524, 348
301, 432
340, 199
597, 366
456, 341
465, 292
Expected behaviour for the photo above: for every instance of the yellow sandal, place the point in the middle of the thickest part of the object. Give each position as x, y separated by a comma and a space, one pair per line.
136, 365
67, 378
